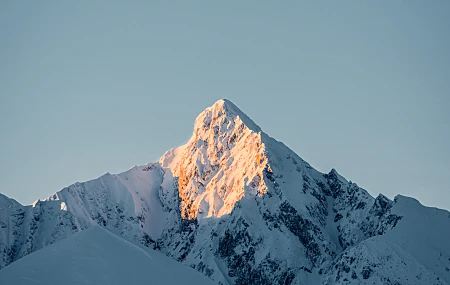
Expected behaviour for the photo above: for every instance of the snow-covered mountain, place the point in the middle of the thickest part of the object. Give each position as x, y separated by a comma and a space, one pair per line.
97, 256
243, 208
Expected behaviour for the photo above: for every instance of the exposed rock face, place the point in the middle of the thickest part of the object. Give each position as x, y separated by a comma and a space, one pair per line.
242, 208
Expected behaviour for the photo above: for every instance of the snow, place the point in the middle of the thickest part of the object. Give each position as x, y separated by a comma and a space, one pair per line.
424, 233
6, 202
241, 208
96, 256
330, 228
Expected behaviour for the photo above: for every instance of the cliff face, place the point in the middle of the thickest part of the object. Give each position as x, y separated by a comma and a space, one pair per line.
242, 208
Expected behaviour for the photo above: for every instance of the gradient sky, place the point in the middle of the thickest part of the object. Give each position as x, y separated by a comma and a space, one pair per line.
88, 87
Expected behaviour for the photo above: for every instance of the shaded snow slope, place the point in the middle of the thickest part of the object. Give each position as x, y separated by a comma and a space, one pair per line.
415, 251
6, 202
242, 208
128, 203
96, 256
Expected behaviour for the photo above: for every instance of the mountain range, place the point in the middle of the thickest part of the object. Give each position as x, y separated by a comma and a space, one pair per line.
239, 207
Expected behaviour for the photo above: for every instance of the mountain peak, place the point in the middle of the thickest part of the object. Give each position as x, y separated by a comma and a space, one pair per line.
224, 108
222, 102
336, 175
215, 168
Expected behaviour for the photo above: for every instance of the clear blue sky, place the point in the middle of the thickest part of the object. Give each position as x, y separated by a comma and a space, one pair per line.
88, 87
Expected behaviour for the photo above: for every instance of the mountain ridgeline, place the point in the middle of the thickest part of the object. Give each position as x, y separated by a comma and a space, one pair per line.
242, 208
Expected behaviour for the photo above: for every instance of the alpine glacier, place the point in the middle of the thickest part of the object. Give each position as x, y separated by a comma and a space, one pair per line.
242, 208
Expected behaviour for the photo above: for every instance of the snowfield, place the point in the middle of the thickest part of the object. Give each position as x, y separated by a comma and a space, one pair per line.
97, 256
240, 208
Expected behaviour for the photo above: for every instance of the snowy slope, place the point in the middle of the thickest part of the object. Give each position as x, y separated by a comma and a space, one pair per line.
416, 251
96, 256
243, 208
6, 202
127, 203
